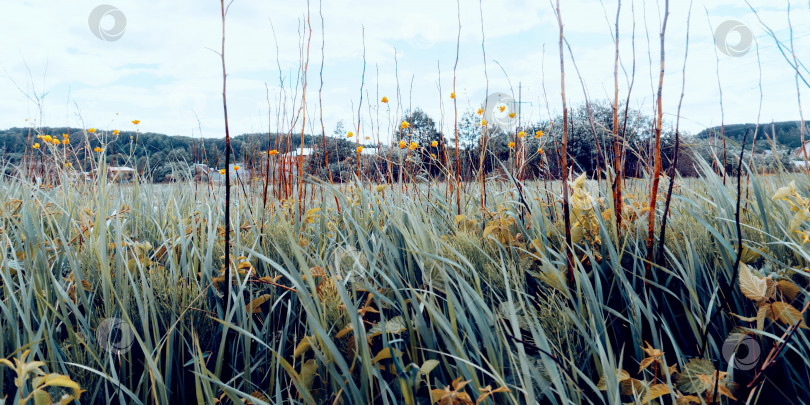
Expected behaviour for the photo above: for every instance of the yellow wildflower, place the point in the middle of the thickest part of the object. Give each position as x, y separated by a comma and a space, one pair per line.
405, 125
502, 108
384, 100
511, 145
116, 132
452, 95
350, 134
235, 168
480, 110
414, 145
272, 152
521, 134
483, 123
221, 172
359, 149
402, 144
511, 115
136, 122
434, 144
92, 130
538, 134
97, 149
47, 138
35, 146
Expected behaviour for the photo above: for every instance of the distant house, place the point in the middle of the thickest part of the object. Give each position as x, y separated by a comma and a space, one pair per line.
118, 174
798, 153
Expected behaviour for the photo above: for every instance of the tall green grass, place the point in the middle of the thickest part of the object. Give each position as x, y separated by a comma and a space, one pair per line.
387, 299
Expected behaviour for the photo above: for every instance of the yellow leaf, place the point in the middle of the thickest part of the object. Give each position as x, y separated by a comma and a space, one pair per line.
304, 346
428, 366
345, 331
255, 306
385, 354
655, 391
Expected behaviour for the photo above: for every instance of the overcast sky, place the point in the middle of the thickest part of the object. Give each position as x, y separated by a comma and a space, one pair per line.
162, 72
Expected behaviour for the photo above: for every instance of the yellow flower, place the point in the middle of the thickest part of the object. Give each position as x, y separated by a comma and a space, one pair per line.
433, 155
97, 149
235, 168
116, 132
511, 115
35, 146
434, 144
502, 108
402, 144
483, 123
55, 141
350, 134
359, 149
384, 100
136, 122
47, 138
480, 110
65, 135
68, 164
65, 141
521, 134
452, 95
272, 152
405, 125
539, 150
221, 172
511, 145
92, 130
538, 134
367, 138
414, 145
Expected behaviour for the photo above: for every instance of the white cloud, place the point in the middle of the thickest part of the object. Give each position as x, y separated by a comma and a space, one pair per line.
162, 72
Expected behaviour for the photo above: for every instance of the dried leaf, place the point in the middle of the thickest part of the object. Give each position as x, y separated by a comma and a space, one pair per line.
788, 314
788, 290
753, 287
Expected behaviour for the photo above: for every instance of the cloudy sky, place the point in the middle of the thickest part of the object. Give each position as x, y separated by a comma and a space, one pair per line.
162, 71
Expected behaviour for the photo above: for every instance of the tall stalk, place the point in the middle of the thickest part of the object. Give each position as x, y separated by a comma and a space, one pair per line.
657, 150
564, 158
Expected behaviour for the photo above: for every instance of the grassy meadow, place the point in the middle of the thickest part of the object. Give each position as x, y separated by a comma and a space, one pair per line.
395, 298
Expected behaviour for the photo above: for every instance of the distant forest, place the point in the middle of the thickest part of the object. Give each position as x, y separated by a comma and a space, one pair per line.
788, 134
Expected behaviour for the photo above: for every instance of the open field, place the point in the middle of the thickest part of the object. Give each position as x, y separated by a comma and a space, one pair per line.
395, 296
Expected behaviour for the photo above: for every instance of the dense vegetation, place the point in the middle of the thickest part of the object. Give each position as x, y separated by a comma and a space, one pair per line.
392, 297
